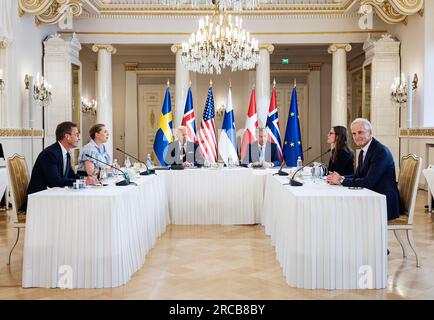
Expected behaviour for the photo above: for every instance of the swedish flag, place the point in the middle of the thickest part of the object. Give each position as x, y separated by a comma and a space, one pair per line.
164, 134
292, 146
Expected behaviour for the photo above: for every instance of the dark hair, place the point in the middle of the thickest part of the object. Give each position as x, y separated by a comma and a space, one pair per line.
95, 129
341, 141
64, 128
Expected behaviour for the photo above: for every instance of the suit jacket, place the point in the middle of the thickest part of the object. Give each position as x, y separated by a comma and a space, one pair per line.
48, 171
271, 153
344, 164
378, 174
193, 154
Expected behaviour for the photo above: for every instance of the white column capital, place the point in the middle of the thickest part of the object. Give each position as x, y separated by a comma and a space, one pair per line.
176, 48
108, 47
267, 46
336, 46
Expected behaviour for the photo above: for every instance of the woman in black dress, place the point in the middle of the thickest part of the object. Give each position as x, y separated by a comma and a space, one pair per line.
342, 157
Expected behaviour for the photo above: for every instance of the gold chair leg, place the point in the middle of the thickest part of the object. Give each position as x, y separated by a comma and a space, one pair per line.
401, 242
413, 245
13, 247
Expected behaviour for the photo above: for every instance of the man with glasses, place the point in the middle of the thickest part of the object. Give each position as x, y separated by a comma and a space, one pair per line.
53, 166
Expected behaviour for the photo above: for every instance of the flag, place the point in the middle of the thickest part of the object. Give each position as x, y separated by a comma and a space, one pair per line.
292, 146
164, 134
272, 125
188, 119
207, 138
249, 135
228, 136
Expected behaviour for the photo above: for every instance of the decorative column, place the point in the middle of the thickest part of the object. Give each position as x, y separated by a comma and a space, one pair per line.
131, 111
339, 83
182, 83
104, 90
262, 88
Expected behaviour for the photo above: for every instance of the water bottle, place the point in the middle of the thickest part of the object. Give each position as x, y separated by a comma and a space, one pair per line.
127, 163
230, 162
149, 162
299, 162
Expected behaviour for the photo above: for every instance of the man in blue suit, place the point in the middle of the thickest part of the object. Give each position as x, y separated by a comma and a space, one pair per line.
375, 169
261, 153
53, 166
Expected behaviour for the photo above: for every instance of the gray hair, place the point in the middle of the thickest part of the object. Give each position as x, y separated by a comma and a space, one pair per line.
363, 121
262, 129
181, 128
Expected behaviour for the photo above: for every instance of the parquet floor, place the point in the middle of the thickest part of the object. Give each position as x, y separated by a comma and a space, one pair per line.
229, 262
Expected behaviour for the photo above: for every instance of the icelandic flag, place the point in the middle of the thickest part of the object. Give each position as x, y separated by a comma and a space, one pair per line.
272, 125
188, 119
292, 146
164, 134
228, 137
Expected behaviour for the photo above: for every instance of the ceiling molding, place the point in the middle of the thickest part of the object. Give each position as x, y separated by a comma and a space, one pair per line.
50, 11
395, 11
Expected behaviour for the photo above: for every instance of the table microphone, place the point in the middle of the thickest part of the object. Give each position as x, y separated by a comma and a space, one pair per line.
296, 183
125, 182
283, 173
143, 173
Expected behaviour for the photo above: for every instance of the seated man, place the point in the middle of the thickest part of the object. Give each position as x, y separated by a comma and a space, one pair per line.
53, 165
183, 152
261, 153
375, 168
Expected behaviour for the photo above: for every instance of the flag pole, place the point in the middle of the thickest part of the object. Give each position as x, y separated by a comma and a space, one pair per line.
295, 82
210, 83
274, 83
168, 83
189, 82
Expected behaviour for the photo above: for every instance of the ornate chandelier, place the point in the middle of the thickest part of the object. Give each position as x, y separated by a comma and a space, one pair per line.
220, 42
236, 5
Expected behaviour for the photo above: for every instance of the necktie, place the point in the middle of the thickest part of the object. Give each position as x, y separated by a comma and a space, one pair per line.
361, 159
68, 164
183, 157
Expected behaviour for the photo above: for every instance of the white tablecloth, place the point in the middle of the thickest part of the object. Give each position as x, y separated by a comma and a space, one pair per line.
216, 196
102, 234
429, 175
3, 181
324, 234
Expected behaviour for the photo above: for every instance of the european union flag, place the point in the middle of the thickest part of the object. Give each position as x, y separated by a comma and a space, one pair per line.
164, 134
292, 146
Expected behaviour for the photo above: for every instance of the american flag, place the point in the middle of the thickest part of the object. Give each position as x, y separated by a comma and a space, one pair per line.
207, 137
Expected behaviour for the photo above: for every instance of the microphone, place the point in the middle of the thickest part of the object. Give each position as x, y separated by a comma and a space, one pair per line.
125, 182
283, 173
296, 183
144, 173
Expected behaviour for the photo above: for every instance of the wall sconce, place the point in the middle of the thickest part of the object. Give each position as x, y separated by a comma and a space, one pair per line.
88, 106
41, 91
220, 110
399, 90
2, 81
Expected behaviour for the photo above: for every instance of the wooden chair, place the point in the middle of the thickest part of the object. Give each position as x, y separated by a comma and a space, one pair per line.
19, 181
408, 181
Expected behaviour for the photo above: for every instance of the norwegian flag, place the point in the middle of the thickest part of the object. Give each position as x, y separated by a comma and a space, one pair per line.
272, 125
188, 119
249, 135
207, 137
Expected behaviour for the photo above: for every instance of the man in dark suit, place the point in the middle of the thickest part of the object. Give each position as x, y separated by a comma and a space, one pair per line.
261, 153
53, 165
183, 152
375, 169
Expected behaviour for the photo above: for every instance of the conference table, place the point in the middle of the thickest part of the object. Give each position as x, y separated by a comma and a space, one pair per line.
429, 176
99, 236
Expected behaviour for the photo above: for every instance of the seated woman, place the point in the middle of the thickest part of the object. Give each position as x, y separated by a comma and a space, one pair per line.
96, 149
342, 157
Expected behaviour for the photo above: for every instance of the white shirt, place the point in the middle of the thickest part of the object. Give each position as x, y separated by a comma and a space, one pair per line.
365, 150
262, 152
180, 149
64, 152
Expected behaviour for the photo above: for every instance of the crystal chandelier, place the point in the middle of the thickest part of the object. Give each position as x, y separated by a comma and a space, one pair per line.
88, 106
42, 91
220, 42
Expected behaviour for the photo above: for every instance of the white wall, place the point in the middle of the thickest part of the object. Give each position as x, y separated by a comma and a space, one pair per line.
412, 41
88, 65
